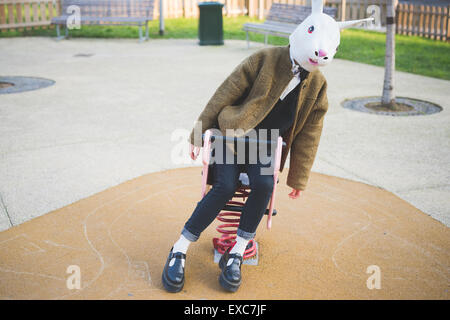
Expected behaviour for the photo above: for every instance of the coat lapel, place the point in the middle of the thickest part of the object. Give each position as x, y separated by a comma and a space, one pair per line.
282, 79
284, 74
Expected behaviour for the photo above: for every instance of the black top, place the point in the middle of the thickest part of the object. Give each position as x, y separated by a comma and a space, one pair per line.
283, 113
281, 116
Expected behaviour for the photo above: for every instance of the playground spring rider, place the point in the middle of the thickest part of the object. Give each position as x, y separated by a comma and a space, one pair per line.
231, 213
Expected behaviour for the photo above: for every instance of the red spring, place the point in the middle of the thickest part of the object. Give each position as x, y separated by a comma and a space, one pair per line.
229, 228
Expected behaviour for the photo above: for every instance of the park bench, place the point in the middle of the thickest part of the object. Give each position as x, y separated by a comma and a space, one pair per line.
282, 20
106, 12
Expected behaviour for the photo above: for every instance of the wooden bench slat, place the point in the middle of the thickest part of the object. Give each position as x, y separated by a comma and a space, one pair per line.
63, 19
129, 8
282, 19
108, 12
107, 9
269, 27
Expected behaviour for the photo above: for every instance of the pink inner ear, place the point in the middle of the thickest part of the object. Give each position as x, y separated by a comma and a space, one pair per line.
322, 53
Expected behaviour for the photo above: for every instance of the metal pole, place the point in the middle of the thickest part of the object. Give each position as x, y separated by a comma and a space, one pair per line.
161, 17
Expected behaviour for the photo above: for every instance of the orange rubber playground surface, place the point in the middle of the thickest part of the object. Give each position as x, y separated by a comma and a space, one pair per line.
320, 246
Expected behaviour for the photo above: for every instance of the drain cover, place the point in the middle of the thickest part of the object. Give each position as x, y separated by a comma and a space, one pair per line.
416, 107
21, 84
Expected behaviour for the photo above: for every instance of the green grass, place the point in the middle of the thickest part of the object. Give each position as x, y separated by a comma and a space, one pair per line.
413, 54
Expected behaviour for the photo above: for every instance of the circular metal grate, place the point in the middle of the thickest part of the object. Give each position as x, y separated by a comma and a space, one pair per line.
21, 84
417, 107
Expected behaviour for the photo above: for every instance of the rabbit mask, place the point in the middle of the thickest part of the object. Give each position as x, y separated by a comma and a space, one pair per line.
315, 41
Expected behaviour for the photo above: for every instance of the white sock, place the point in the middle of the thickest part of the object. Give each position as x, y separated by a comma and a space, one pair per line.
181, 245
239, 247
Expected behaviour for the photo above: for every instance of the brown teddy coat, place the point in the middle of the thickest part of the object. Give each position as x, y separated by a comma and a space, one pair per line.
249, 93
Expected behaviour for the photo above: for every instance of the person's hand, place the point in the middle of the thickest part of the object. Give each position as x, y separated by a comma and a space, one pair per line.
194, 151
294, 194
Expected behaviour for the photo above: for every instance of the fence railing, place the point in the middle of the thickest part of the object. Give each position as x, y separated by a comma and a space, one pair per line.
189, 8
411, 19
423, 20
357, 9
19, 14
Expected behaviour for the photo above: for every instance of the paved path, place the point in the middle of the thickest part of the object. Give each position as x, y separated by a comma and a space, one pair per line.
325, 245
110, 118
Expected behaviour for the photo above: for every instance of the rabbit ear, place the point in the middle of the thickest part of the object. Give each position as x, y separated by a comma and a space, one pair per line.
317, 6
350, 23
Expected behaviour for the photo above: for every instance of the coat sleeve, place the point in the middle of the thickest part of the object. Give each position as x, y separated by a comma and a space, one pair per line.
230, 91
305, 143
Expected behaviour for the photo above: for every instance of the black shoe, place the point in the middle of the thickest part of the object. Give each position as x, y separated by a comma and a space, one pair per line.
230, 278
173, 277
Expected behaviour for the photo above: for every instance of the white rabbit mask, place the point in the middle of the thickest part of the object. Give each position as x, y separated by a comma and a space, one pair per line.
315, 41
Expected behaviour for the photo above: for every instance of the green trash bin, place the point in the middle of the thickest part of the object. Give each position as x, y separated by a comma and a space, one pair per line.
210, 23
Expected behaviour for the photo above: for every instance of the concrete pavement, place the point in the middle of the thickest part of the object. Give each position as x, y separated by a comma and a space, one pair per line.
338, 241
110, 117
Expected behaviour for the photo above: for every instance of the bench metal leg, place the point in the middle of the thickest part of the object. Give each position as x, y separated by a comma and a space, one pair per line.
143, 38
58, 33
248, 40
140, 34
265, 38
